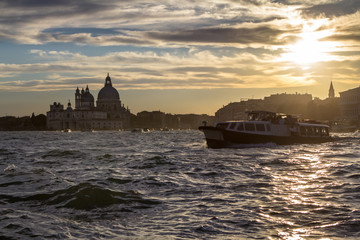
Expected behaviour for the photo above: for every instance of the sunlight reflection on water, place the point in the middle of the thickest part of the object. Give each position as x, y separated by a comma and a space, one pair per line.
297, 192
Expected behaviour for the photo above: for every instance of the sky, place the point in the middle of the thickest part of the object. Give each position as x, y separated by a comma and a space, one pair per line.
175, 56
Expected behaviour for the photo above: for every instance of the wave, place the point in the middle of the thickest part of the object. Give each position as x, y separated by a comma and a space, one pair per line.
86, 196
356, 133
5, 152
63, 153
153, 162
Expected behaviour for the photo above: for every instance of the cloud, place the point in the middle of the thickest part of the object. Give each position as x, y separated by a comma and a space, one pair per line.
346, 31
88, 39
261, 34
172, 45
344, 37
131, 22
332, 8
148, 70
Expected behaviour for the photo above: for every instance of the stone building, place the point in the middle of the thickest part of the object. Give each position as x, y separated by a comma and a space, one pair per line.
237, 110
350, 106
160, 120
108, 114
284, 103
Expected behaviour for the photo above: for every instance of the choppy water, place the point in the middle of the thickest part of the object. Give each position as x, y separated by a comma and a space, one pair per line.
168, 185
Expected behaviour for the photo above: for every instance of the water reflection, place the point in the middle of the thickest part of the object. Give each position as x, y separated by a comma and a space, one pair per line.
301, 204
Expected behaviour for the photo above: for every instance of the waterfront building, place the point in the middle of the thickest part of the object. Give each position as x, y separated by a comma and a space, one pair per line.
237, 110
160, 120
108, 113
151, 120
285, 103
350, 106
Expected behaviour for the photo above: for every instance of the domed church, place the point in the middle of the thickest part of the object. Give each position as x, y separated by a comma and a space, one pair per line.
108, 114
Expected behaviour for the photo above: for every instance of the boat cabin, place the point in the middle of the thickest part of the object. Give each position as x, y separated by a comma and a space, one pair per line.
245, 126
269, 123
313, 130
261, 115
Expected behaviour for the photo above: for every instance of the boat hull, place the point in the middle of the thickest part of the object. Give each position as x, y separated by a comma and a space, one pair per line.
218, 138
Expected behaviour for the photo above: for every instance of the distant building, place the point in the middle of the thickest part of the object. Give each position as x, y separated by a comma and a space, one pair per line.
151, 120
285, 103
161, 120
108, 113
350, 106
275, 100
237, 110
193, 121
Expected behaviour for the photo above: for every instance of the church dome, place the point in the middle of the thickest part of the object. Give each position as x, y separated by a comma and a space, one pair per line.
108, 92
87, 96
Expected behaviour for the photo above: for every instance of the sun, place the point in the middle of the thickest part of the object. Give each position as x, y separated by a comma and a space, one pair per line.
309, 49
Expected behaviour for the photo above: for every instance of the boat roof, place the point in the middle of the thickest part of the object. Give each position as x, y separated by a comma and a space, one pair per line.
305, 124
312, 124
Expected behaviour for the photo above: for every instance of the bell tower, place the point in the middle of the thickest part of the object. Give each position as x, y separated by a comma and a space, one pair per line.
331, 91
77, 98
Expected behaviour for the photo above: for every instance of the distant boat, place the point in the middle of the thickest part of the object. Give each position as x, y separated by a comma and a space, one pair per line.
140, 130
88, 130
66, 130
266, 127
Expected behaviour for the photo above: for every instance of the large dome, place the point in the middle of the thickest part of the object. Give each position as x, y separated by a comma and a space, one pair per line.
108, 92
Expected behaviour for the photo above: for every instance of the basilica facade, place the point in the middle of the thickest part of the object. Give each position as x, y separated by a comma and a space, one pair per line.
107, 114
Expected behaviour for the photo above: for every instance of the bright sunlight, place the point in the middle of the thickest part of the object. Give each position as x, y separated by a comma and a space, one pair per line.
310, 48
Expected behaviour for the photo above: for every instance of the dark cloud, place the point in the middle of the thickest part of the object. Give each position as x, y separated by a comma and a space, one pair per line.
345, 33
35, 3
216, 70
334, 9
288, 2
88, 38
83, 4
91, 15
263, 35
344, 37
73, 30
49, 9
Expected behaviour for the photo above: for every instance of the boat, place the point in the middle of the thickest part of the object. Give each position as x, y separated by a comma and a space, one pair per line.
263, 127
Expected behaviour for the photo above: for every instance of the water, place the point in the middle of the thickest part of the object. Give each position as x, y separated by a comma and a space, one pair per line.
168, 185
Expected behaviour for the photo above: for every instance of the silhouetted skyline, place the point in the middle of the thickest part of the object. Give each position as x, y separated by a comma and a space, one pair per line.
177, 57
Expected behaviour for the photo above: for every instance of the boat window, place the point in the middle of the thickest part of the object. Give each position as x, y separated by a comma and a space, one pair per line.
240, 127
302, 130
324, 131
249, 127
260, 127
232, 125
317, 131
222, 125
268, 127
310, 131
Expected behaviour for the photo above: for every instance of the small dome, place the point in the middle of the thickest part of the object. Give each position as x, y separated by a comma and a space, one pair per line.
87, 97
69, 106
108, 92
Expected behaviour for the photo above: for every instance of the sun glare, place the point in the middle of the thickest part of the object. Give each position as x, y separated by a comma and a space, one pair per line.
309, 49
